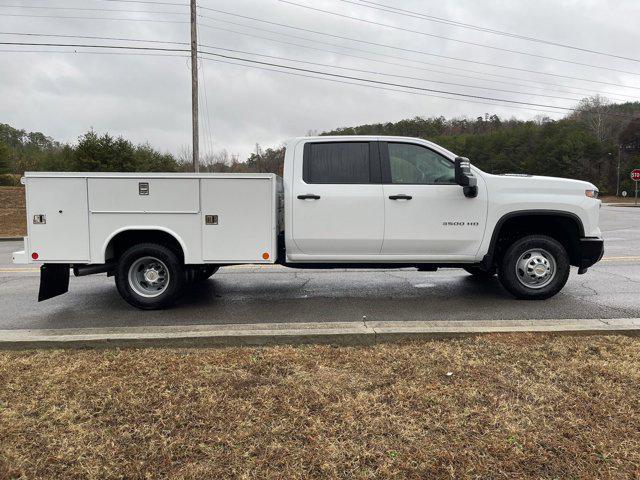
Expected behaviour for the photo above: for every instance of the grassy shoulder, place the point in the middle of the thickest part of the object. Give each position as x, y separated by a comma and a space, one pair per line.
613, 199
513, 406
13, 217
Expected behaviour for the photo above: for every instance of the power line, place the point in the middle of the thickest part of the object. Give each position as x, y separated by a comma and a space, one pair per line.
205, 126
340, 78
151, 2
455, 23
314, 63
207, 118
536, 83
88, 37
76, 52
304, 70
388, 74
322, 33
377, 87
396, 48
84, 45
380, 82
25, 15
466, 42
147, 1
91, 52
87, 9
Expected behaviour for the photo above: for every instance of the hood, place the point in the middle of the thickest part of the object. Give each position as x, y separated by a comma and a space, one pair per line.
538, 183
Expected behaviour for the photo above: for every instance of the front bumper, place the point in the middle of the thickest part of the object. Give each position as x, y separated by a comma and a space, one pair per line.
591, 252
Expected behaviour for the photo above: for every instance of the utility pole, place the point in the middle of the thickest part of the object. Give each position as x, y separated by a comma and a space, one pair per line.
194, 88
618, 171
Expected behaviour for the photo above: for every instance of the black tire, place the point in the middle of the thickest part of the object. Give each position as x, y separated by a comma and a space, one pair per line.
174, 275
514, 278
203, 273
479, 273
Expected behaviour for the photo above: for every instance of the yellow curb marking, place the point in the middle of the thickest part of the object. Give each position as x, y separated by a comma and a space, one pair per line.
609, 259
7, 270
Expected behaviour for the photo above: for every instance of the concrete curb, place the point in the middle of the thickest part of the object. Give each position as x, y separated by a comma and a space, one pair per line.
339, 333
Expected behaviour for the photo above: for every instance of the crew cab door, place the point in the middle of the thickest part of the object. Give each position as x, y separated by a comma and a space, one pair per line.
337, 203
426, 212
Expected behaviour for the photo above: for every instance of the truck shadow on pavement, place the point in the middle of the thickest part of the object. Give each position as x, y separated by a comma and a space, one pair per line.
304, 297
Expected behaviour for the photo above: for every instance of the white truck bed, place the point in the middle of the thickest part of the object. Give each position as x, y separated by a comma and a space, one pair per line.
216, 218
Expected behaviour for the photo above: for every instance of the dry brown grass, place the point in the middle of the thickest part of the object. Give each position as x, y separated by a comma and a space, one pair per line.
519, 406
614, 199
13, 220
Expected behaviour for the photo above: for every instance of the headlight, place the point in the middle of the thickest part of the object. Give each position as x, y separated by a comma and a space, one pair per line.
591, 193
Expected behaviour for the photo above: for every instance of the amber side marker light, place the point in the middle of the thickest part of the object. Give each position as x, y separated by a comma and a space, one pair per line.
591, 193
265, 255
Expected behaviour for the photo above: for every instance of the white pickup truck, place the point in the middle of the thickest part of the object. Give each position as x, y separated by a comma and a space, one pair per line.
360, 201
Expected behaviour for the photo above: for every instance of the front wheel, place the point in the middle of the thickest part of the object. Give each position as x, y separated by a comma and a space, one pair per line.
535, 267
150, 276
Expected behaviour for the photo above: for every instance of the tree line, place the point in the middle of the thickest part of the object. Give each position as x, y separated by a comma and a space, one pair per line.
22, 151
587, 145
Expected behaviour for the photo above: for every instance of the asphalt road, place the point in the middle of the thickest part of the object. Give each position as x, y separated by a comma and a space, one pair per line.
611, 289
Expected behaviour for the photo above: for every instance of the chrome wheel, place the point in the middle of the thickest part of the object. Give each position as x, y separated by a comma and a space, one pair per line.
148, 277
536, 268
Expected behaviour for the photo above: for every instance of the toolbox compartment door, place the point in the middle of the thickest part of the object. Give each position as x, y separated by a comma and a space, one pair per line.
238, 220
61, 232
143, 195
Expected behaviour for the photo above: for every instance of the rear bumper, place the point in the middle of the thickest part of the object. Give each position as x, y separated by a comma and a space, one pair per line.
22, 256
591, 252
19, 257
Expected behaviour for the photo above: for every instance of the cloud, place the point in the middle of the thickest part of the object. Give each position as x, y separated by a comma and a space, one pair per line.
146, 98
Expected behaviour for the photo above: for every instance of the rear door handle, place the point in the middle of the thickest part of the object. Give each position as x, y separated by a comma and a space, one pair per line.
400, 197
309, 196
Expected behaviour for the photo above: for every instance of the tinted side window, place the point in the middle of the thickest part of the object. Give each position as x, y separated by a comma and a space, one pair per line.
339, 162
415, 164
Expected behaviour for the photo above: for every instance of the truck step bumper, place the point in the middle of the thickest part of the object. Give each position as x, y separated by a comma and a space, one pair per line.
22, 256
591, 252
19, 257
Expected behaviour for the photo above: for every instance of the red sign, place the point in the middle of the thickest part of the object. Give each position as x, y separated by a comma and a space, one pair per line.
635, 175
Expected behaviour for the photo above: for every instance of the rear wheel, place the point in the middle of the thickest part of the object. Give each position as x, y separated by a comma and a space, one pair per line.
150, 276
534, 268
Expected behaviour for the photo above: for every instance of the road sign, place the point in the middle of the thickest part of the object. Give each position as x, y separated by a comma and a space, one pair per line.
635, 175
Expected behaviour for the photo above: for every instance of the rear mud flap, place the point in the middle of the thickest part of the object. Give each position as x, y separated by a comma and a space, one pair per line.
54, 280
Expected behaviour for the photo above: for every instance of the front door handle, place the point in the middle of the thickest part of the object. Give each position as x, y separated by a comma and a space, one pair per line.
309, 196
400, 197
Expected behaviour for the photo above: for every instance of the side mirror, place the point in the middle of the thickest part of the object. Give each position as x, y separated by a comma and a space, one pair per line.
465, 178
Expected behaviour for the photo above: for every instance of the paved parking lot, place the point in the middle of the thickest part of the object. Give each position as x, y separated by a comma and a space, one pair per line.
238, 295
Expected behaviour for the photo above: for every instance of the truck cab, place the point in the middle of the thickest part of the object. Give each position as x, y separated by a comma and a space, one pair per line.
356, 201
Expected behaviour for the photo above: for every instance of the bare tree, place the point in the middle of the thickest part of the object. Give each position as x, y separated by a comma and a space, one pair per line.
595, 112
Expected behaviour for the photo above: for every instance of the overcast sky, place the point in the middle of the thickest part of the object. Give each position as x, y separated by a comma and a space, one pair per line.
146, 98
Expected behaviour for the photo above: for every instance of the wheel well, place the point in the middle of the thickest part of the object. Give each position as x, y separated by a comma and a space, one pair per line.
565, 229
123, 240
